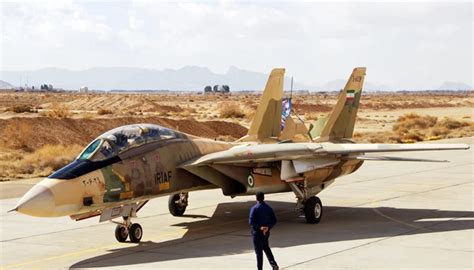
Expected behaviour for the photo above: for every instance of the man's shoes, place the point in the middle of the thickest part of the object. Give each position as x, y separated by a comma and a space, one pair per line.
275, 267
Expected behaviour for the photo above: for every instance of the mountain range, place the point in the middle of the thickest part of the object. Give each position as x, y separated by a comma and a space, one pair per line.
5, 85
126, 78
455, 86
189, 78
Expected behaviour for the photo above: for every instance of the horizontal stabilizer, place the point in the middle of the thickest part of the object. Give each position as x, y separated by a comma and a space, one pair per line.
373, 148
385, 158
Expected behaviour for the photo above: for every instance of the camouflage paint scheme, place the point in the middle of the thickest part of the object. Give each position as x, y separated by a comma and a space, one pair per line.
266, 159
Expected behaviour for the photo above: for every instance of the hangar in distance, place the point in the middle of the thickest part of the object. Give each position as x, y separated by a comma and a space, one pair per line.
124, 168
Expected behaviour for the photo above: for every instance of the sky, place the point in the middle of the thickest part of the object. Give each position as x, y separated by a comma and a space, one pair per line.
405, 45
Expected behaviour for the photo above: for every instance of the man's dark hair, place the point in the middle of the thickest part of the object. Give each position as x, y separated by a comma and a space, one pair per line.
260, 196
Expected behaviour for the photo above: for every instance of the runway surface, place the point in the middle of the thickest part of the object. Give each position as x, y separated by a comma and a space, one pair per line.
386, 215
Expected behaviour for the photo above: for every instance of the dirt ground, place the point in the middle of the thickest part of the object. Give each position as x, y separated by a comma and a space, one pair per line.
34, 123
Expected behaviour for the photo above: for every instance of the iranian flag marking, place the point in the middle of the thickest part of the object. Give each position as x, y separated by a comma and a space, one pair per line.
350, 94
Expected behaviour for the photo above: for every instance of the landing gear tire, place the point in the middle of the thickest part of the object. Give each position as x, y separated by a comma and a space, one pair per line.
121, 233
127, 229
177, 204
135, 233
313, 210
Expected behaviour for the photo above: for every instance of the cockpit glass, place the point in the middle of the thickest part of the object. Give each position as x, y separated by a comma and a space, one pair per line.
123, 138
87, 153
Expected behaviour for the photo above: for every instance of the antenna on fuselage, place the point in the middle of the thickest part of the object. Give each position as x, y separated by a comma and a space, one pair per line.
291, 96
291, 89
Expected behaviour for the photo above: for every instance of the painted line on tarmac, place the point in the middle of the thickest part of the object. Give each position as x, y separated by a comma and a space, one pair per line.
365, 244
415, 228
377, 211
96, 225
118, 245
72, 254
194, 239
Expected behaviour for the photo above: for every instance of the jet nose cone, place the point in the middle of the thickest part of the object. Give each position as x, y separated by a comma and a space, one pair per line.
38, 201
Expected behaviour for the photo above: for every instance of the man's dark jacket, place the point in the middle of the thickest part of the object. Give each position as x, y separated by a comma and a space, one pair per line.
261, 214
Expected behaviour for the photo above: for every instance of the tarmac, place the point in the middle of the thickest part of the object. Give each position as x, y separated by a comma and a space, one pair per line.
386, 215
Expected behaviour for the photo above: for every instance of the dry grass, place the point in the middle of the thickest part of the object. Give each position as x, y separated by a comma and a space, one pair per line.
17, 136
230, 110
412, 121
375, 137
39, 163
103, 111
412, 127
58, 110
22, 108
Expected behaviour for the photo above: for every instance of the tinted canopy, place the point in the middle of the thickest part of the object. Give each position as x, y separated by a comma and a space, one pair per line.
123, 138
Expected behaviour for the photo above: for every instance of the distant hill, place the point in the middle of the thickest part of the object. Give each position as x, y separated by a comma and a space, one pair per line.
455, 86
336, 85
5, 85
125, 78
189, 78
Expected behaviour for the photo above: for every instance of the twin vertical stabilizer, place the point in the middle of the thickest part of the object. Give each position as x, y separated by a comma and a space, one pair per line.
340, 123
267, 119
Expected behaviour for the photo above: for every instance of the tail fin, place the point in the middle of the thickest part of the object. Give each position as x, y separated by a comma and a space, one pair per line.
267, 120
294, 131
340, 123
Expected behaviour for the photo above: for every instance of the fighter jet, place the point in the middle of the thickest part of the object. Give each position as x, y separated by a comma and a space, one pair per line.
124, 168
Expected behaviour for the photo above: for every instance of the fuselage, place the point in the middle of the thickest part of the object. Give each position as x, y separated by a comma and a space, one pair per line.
140, 162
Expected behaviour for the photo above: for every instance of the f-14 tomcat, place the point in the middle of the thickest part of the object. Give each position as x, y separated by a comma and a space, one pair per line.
122, 169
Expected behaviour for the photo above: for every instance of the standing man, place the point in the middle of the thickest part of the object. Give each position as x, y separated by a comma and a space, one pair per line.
262, 219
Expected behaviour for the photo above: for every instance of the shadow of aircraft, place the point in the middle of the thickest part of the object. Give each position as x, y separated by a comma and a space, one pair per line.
227, 231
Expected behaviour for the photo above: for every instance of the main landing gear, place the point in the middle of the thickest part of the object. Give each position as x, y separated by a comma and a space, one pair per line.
177, 203
313, 210
127, 229
310, 206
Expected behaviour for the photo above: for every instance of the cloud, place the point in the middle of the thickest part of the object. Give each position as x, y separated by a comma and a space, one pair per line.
405, 45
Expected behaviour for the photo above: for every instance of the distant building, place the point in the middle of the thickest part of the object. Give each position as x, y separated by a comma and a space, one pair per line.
84, 89
208, 89
46, 87
217, 89
224, 89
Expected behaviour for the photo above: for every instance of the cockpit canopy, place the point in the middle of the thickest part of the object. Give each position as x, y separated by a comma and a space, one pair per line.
123, 138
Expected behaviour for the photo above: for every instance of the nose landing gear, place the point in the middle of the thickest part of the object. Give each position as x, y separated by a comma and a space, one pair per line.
127, 229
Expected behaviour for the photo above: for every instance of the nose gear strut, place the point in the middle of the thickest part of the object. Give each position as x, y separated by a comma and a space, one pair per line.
127, 229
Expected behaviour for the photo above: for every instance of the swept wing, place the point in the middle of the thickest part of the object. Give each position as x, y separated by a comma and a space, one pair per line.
255, 153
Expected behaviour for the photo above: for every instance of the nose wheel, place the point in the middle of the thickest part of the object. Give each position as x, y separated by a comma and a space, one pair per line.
121, 233
135, 233
127, 229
